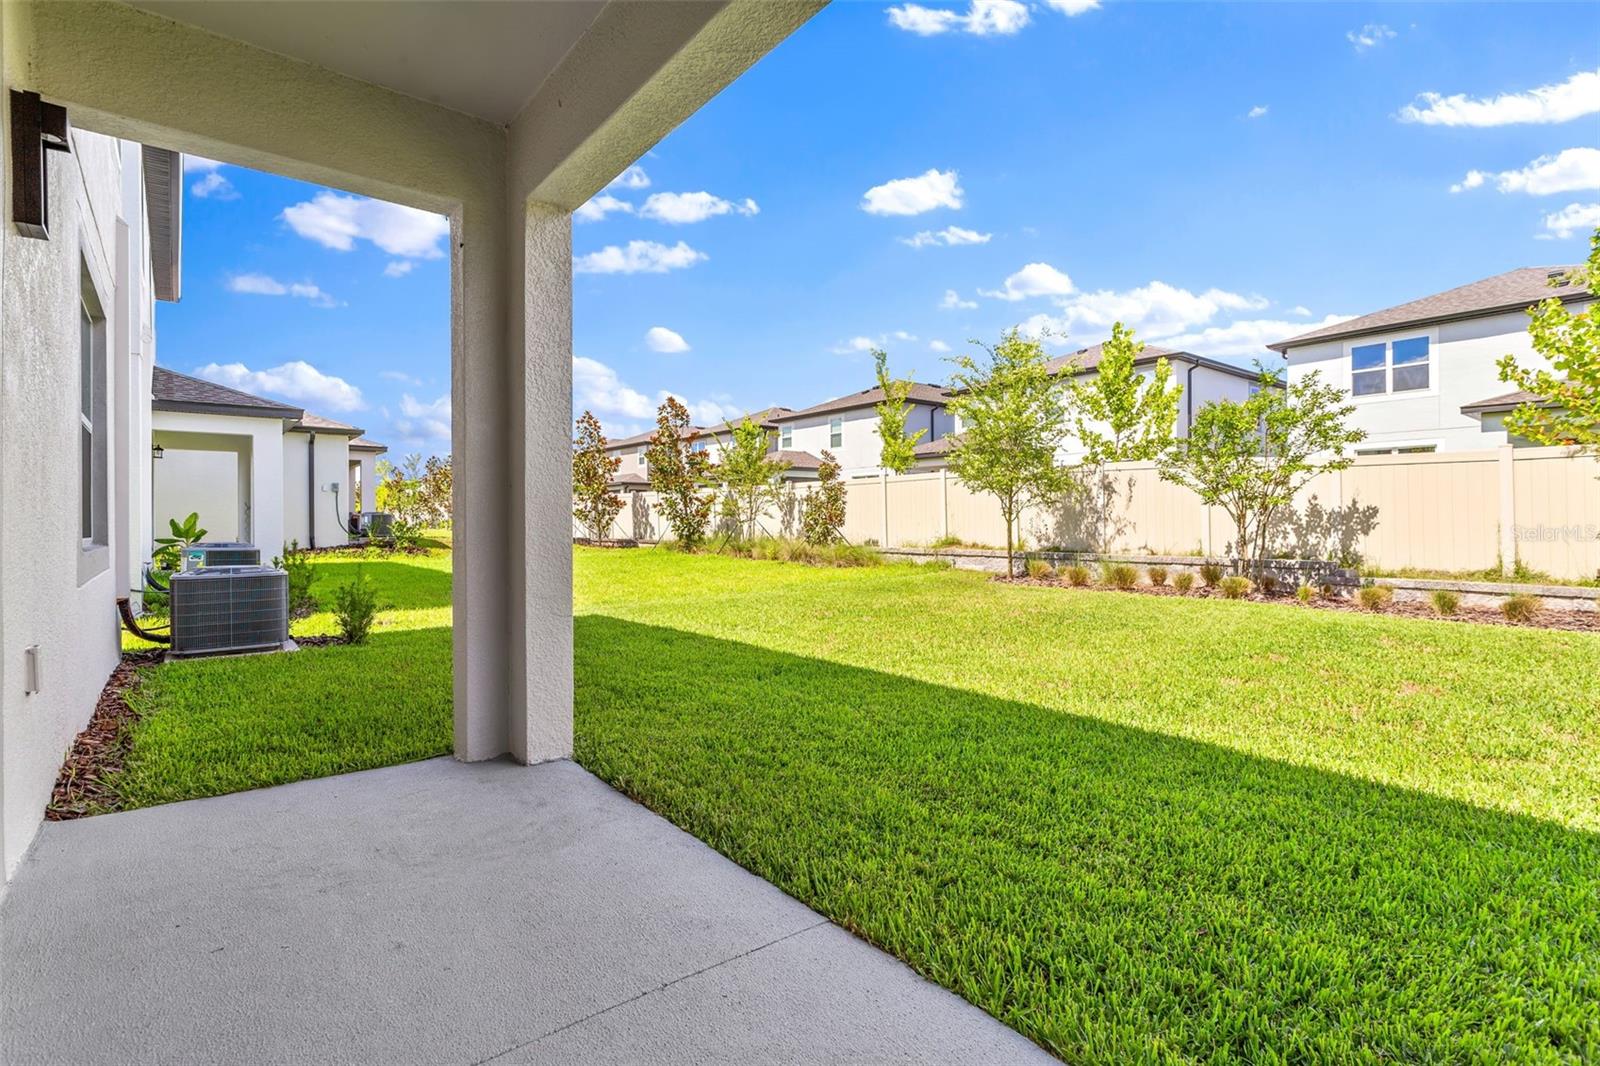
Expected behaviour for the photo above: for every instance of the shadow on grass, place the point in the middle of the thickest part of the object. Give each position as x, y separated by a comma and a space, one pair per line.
402, 584
1116, 895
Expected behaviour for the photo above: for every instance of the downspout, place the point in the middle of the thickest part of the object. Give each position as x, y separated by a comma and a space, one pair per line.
311, 488
1188, 398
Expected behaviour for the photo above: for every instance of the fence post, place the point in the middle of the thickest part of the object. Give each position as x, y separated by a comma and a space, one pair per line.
1508, 510
883, 480
944, 502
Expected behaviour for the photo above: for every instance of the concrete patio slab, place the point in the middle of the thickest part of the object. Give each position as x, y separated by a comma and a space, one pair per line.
440, 912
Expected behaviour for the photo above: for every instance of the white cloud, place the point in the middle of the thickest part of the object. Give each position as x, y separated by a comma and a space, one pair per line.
1301, 310
705, 412
1574, 218
1570, 170
213, 185
1073, 7
662, 339
912, 196
632, 178
1369, 36
400, 376
1157, 310
424, 422
264, 285
950, 236
598, 207
298, 381
398, 268
639, 257
953, 302
337, 221
983, 18
862, 345
1579, 95
682, 208
1259, 111
596, 387
1035, 279
1246, 337
199, 164
938, 346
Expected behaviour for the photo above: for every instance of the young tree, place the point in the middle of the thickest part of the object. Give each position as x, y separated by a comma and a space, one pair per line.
822, 512
897, 450
751, 473
1568, 408
592, 470
680, 474
434, 490
399, 488
1013, 416
1251, 458
1121, 417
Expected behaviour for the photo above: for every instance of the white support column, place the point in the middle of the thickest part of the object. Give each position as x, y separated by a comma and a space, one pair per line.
1508, 510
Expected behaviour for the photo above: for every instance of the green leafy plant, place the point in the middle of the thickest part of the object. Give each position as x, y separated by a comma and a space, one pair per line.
1040, 570
822, 511
1567, 408
679, 474
355, 606
1305, 593
296, 562
1374, 597
1077, 575
1156, 574
169, 550
1267, 582
1183, 581
1122, 576
596, 505
1234, 587
1520, 608
1013, 423
1445, 601
750, 473
896, 450
1210, 574
405, 534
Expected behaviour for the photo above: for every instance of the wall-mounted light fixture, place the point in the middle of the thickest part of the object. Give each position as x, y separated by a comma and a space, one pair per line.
157, 451
36, 128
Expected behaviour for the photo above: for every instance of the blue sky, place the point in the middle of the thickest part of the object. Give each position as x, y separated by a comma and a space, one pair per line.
1217, 175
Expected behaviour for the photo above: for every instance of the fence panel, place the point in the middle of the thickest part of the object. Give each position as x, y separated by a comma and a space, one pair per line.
1556, 522
1433, 511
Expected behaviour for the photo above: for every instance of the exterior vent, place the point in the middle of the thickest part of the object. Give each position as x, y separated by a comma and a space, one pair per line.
220, 553
1559, 278
220, 609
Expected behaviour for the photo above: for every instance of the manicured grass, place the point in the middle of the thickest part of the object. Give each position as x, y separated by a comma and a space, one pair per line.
1134, 828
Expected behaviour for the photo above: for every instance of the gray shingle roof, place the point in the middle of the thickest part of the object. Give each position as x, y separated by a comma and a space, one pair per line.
798, 460
362, 444
935, 395
172, 391
1514, 290
1085, 359
1508, 401
764, 418
935, 449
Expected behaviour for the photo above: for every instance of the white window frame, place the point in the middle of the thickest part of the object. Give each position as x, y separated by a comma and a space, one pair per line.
1387, 340
786, 437
1391, 448
94, 480
836, 430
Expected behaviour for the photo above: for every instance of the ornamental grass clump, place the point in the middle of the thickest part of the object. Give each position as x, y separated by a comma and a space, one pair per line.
1305, 593
1039, 570
1234, 587
1210, 573
1077, 575
1122, 576
1183, 581
1520, 608
1445, 602
1156, 574
1375, 597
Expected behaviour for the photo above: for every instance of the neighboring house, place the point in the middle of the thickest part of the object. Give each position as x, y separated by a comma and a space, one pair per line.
848, 427
255, 470
1423, 375
634, 473
79, 345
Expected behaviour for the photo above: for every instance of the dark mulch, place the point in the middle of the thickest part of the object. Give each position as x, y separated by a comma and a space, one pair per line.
98, 752
1574, 621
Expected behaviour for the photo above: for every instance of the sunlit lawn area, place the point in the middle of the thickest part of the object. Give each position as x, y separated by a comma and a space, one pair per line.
1135, 828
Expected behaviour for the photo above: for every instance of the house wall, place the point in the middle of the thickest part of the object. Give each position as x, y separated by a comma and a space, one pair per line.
332, 457
180, 488
367, 463
206, 483
56, 595
1463, 371
860, 449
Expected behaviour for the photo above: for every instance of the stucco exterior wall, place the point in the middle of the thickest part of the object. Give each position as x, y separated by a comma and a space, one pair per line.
1463, 371
305, 499
261, 517
860, 449
58, 596
206, 483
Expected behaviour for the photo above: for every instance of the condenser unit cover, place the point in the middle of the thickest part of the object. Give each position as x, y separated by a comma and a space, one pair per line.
229, 609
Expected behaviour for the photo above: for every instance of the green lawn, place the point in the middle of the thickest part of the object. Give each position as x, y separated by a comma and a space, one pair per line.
1135, 828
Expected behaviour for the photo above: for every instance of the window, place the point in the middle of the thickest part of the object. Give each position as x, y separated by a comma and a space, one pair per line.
1401, 449
639, 457
1389, 366
93, 518
786, 438
835, 432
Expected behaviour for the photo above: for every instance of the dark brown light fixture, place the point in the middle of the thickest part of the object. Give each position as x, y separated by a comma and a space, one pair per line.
157, 451
36, 128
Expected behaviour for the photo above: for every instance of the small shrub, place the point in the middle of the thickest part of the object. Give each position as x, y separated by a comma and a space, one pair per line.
1375, 597
1520, 608
1122, 576
296, 562
1210, 573
405, 535
355, 605
1445, 602
1268, 582
1305, 593
1040, 570
1156, 574
1329, 590
1183, 581
949, 540
1078, 575
1234, 587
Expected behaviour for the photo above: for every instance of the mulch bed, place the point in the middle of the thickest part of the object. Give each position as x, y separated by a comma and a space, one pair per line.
99, 751
1574, 621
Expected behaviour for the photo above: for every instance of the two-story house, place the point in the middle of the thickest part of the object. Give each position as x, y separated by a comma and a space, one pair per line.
1422, 375
634, 473
848, 426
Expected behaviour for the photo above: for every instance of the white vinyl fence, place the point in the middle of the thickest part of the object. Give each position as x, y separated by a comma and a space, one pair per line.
1452, 511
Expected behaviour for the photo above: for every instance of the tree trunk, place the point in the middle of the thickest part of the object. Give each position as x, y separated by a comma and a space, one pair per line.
1011, 565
